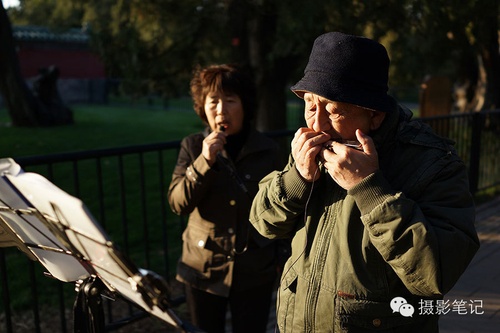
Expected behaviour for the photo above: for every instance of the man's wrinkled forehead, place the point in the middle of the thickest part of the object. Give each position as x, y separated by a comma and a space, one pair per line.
311, 97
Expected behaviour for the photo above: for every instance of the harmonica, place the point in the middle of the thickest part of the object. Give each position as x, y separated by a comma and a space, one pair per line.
349, 143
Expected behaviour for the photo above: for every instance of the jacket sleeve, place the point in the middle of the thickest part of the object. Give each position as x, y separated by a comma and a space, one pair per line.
280, 202
191, 179
430, 240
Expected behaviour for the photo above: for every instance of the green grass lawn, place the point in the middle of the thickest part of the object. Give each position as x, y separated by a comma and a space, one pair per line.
98, 126
110, 126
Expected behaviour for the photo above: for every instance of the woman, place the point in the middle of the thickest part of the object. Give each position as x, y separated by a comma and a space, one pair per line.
224, 259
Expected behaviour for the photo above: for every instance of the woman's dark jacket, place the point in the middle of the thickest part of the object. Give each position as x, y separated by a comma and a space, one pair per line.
218, 211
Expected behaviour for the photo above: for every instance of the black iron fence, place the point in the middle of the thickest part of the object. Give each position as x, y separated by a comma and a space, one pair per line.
477, 137
125, 188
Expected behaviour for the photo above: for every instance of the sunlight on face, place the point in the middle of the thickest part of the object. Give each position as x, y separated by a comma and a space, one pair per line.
224, 109
340, 120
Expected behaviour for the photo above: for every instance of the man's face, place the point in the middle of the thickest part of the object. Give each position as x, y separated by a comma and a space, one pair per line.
339, 120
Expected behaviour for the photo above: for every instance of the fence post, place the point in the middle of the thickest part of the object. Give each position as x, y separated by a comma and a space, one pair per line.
475, 154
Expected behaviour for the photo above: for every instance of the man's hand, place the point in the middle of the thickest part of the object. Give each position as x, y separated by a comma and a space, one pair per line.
306, 145
212, 144
348, 166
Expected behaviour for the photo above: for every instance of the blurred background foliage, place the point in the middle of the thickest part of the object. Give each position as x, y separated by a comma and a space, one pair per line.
153, 45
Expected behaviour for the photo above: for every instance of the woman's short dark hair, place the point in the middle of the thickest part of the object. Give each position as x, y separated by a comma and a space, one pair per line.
229, 78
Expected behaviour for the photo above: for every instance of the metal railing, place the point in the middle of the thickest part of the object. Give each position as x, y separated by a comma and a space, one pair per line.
477, 137
126, 189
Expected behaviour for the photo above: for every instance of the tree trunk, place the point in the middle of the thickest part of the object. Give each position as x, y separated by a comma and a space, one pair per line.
25, 109
489, 58
272, 114
491, 65
270, 81
253, 28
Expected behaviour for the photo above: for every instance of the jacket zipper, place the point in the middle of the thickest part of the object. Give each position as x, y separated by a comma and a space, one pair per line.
317, 268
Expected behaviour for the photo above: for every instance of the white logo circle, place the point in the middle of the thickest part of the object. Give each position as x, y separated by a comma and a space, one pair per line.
396, 303
399, 304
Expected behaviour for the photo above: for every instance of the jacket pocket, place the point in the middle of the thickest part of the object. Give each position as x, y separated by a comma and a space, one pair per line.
194, 251
359, 315
286, 302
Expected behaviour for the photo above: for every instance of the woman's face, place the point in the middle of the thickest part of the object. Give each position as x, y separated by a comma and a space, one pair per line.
224, 109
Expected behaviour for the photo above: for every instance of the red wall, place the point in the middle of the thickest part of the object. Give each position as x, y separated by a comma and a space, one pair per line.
71, 63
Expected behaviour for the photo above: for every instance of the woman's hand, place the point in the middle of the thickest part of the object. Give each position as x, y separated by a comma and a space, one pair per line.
212, 144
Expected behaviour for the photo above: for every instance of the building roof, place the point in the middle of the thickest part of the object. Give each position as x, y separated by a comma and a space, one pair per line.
31, 33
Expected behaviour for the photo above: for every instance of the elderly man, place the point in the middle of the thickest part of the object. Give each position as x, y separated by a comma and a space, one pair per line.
377, 205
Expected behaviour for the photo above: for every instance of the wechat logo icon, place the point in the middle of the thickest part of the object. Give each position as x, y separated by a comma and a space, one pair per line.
399, 304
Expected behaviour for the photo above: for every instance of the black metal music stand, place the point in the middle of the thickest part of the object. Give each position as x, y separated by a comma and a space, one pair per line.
56, 229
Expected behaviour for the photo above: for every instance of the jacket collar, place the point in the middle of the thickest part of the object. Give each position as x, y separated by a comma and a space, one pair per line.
398, 126
386, 133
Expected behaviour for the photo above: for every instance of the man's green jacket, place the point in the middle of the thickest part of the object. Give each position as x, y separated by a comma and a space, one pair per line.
381, 255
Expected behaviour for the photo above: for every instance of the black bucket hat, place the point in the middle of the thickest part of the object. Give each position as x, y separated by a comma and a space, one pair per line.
350, 69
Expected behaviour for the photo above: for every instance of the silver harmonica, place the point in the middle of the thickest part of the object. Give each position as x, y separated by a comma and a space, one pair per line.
349, 143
